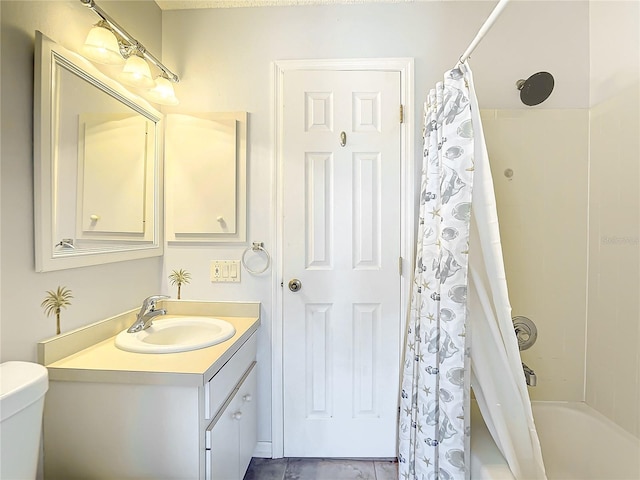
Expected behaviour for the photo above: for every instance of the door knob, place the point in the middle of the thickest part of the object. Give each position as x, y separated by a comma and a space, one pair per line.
295, 285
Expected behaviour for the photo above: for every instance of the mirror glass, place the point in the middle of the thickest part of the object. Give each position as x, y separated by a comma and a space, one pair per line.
97, 165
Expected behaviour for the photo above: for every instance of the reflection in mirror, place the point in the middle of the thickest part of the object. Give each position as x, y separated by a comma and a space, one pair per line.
97, 165
111, 201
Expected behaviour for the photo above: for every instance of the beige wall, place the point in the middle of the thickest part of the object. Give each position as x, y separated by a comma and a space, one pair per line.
613, 311
542, 211
224, 57
100, 291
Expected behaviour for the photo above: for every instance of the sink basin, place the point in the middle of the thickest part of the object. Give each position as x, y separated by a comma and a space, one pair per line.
172, 334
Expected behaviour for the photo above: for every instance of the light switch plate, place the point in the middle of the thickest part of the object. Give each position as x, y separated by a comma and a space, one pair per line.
225, 271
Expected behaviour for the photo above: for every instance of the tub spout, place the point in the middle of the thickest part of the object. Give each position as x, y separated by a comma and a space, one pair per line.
529, 375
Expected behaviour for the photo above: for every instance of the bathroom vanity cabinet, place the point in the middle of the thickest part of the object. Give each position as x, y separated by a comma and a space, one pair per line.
163, 424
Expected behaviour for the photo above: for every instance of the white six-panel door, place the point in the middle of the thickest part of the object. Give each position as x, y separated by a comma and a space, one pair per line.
341, 240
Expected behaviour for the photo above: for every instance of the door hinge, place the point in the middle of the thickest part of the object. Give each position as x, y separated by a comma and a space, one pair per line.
401, 113
400, 265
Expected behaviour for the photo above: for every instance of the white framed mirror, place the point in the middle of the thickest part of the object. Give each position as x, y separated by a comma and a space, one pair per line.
98, 165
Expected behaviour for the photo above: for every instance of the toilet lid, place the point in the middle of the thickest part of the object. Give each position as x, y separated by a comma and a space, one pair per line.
21, 384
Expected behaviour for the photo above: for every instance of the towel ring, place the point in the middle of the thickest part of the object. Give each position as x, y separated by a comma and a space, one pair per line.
256, 247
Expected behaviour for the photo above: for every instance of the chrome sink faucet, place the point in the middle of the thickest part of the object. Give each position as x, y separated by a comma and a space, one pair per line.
147, 313
529, 376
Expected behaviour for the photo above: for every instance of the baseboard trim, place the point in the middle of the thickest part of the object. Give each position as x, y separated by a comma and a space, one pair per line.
263, 450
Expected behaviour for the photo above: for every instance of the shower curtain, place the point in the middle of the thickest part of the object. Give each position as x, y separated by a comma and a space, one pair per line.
458, 297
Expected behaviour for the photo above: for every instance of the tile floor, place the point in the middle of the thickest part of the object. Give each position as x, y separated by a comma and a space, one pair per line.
321, 469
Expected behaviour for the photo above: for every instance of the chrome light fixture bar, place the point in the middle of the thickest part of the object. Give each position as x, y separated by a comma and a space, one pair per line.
133, 43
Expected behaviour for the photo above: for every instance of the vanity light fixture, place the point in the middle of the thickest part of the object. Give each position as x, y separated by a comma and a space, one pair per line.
136, 71
101, 45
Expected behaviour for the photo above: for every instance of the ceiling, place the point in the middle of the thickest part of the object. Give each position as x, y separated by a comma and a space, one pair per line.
190, 4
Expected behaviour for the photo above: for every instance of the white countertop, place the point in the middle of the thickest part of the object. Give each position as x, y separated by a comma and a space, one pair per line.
104, 362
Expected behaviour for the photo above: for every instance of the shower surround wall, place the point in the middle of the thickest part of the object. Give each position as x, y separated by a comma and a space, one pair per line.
570, 224
569, 218
542, 211
613, 311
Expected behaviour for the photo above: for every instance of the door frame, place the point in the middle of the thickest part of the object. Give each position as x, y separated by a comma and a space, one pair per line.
405, 66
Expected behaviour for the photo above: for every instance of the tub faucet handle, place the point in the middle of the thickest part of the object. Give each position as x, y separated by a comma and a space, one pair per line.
526, 332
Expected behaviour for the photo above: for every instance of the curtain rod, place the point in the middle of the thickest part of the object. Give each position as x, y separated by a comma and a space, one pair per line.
486, 26
91, 4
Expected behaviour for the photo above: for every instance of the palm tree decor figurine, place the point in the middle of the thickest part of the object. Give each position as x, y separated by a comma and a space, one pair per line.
54, 301
178, 277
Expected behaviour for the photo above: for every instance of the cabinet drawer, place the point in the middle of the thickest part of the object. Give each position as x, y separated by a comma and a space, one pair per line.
227, 378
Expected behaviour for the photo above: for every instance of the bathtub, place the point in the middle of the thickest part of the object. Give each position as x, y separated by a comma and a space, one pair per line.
577, 443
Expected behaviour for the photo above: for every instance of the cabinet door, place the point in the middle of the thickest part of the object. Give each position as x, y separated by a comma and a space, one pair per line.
249, 422
224, 453
206, 156
231, 437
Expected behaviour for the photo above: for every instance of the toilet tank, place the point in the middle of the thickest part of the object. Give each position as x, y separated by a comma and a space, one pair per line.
22, 389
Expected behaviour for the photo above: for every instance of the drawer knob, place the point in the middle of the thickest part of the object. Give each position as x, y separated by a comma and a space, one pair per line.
237, 415
247, 397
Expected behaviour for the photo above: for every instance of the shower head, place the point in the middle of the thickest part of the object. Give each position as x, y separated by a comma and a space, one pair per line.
535, 89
